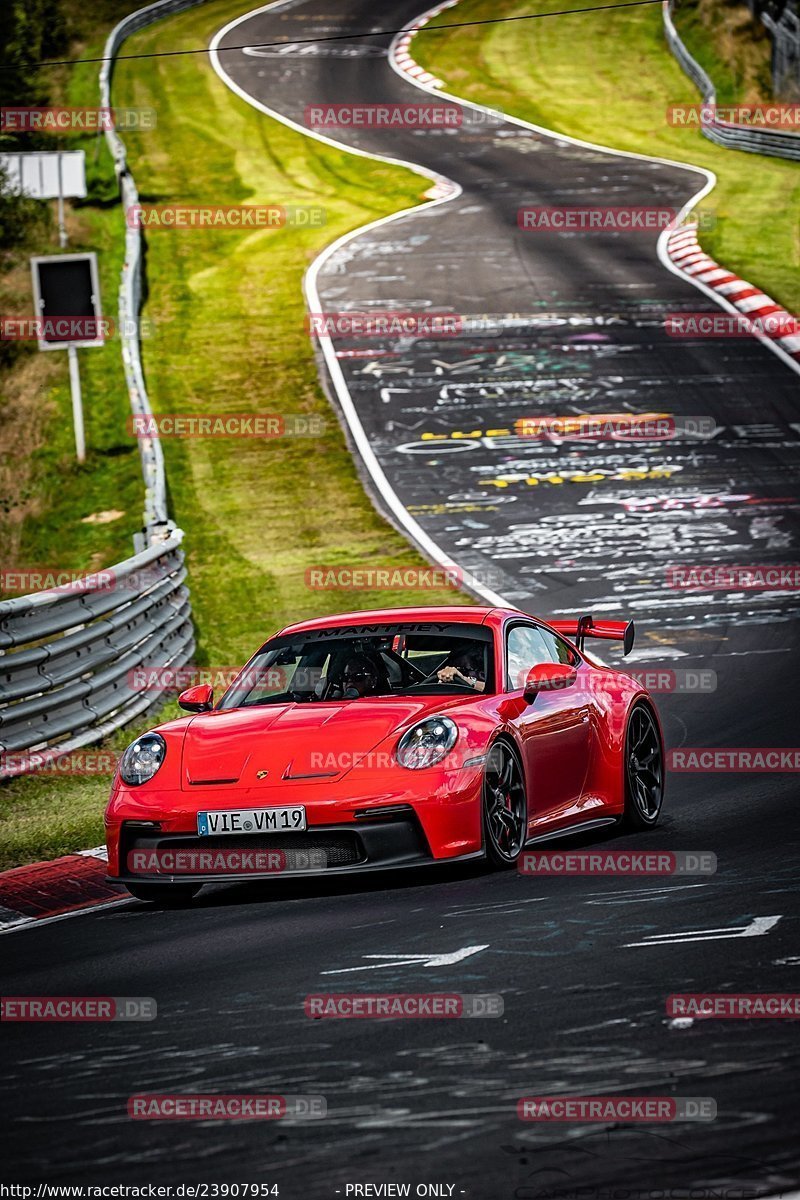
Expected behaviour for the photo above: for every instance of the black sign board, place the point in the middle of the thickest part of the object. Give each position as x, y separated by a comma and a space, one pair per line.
66, 298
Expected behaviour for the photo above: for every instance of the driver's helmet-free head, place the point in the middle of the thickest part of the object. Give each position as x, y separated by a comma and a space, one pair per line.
469, 660
360, 676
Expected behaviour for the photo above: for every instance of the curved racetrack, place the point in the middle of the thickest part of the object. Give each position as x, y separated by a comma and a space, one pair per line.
561, 325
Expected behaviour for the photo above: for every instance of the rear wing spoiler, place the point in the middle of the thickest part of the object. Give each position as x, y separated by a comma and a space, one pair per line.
607, 631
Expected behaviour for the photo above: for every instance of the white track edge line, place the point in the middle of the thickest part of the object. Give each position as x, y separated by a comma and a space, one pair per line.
661, 245
349, 411
368, 456
38, 922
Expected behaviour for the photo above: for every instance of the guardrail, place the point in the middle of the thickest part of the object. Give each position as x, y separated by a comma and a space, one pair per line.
130, 290
60, 693
774, 142
67, 655
782, 21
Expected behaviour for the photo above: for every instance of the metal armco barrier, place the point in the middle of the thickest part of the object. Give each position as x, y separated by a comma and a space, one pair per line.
774, 142
130, 290
67, 655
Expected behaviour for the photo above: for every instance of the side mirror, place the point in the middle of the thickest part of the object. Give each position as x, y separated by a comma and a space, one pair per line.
548, 677
199, 698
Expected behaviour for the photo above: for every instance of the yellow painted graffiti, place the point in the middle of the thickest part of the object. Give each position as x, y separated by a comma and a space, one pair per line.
626, 474
561, 425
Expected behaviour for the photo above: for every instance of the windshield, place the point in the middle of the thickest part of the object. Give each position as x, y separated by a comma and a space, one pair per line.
351, 664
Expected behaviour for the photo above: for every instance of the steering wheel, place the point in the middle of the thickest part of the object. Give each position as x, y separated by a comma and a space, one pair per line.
330, 690
434, 677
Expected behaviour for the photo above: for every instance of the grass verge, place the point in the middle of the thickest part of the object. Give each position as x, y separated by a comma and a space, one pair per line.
731, 45
55, 512
608, 77
229, 337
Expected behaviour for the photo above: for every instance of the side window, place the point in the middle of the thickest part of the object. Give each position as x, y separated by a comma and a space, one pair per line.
529, 645
561, 651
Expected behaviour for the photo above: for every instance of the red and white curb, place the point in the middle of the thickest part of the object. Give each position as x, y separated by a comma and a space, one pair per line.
727, 289
46, 891
402, 60
687, 255
402, 47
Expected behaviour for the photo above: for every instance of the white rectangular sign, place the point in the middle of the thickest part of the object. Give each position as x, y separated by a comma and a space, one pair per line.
36, 173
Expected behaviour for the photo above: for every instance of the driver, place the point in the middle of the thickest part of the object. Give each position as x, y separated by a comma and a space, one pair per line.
464, 666
359, 677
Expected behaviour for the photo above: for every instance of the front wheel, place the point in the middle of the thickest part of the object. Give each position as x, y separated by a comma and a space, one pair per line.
167, 895
644, 770
505, 808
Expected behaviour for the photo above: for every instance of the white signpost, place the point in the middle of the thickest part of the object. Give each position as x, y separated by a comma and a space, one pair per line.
47, 175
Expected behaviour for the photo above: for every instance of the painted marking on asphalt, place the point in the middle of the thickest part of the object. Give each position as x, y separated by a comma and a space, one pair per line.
504, 906
757, 928
640, 895
412, 960
645, 653
599, 1025
38, 922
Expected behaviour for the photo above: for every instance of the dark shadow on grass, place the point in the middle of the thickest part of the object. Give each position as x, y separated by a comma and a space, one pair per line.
114, 451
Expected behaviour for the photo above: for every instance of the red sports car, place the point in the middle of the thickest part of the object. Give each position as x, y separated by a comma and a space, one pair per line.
393, 738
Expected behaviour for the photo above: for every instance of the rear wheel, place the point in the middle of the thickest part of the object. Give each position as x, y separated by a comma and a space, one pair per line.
167, 895
505, 808
644, 769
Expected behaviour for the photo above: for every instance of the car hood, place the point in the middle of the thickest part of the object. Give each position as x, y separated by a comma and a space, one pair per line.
265, 745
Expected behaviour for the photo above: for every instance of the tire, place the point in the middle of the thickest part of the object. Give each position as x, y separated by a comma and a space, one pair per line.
166, 895
644, 770
505, 806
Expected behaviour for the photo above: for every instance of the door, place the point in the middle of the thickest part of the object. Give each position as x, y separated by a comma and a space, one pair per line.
555, 730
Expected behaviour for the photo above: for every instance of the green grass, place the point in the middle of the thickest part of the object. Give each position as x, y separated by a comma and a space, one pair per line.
608, 77
228, 315
45, 495
731, 45
48, 503
43, 817
230, 337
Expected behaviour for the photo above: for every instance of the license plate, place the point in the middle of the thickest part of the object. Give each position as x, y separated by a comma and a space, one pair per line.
251, 820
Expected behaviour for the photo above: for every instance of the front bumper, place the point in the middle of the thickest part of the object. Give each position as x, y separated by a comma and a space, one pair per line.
394, 841
378, 819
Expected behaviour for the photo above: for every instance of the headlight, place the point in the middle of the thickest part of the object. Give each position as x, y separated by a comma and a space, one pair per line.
427, 743
142, 759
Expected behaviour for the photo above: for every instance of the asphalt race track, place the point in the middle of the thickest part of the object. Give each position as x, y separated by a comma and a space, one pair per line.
584, 965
